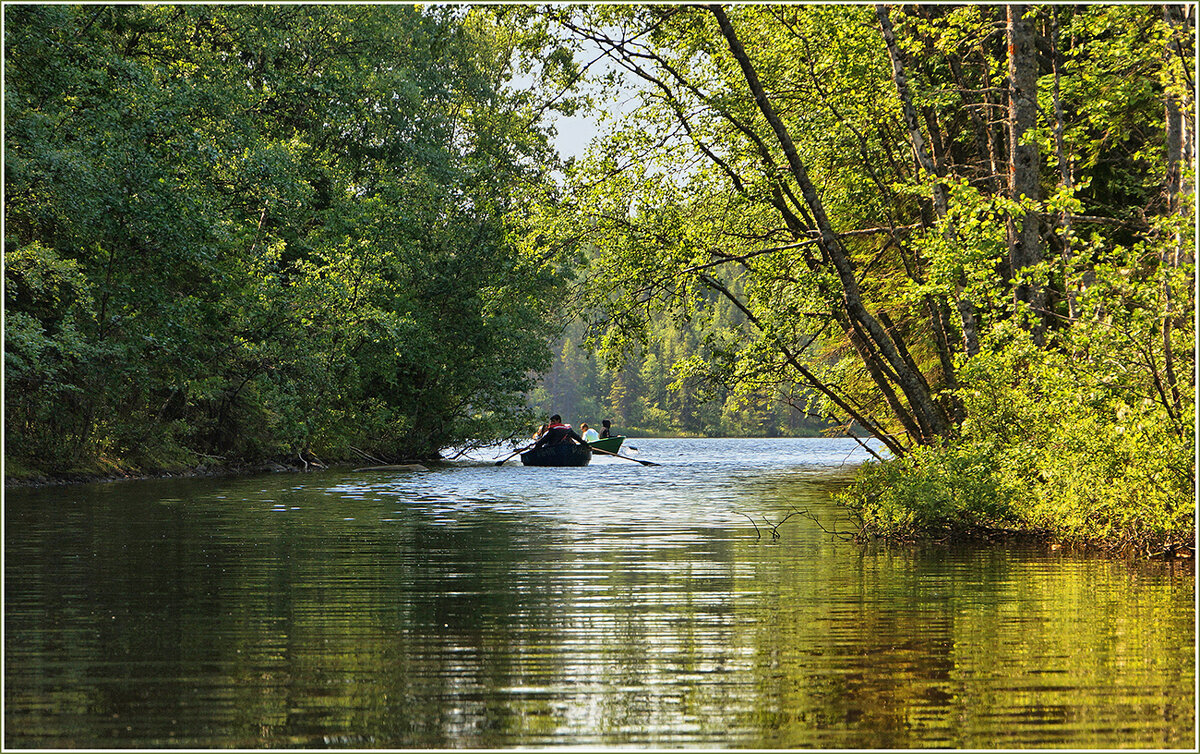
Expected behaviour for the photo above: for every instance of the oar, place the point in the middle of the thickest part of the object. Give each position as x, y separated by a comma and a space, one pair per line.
505, 458
627, 458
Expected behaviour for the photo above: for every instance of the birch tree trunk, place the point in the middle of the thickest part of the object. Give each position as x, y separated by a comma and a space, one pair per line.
962, 303
1024, 238
1179, 141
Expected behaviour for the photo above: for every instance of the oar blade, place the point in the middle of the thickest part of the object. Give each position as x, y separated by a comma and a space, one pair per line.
627, 458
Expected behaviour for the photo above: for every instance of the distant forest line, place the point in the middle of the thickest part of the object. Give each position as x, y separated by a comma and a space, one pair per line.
641, 396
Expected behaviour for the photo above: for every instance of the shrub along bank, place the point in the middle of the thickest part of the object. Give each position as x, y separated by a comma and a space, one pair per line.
1053, 446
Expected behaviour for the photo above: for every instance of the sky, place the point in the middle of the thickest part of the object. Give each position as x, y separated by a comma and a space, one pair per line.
574, 134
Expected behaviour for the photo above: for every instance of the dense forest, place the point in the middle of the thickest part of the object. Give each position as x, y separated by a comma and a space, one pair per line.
236, 233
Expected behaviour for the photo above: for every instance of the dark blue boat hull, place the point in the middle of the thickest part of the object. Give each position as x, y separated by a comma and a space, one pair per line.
563, 454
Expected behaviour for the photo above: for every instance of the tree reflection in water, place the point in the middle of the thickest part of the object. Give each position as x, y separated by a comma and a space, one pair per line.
476, 606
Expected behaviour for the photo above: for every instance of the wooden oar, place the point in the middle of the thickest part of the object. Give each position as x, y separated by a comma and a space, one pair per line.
627, 458
522, 450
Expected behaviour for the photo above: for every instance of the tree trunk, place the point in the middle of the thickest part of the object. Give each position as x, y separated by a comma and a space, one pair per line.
1024, 238
1065, 169
1178, 153
1180, 134
941, 205
916, 138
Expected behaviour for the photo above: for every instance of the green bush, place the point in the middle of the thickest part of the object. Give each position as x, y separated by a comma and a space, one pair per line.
1053, 444
931, 491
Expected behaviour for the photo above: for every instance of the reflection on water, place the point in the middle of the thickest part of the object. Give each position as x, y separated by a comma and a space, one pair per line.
483, 606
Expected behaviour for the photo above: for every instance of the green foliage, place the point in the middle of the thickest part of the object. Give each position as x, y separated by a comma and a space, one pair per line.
946, 491
49, 309
1057, 442
240, 232
1062, 362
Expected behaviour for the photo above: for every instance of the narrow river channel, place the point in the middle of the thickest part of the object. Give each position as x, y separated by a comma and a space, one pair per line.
614, 605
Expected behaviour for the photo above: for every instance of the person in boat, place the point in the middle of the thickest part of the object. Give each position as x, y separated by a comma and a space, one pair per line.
558, 433
607, 431
589, 434
540, 431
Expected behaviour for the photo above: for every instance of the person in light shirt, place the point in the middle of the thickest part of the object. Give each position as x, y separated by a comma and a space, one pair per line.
589, 434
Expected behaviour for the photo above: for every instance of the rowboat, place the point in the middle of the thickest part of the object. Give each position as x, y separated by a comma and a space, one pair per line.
611, 444
563, 454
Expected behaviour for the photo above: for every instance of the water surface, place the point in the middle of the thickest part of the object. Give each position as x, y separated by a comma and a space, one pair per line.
614, 605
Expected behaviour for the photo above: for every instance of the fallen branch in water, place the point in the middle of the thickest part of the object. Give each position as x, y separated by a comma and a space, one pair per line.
367, 455
756, 531
844, 536
775, 527
314, 462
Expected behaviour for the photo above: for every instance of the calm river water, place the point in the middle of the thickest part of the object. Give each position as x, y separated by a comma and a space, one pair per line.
614, 605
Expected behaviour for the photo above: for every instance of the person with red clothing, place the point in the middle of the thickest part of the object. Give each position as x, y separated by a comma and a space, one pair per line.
558, 433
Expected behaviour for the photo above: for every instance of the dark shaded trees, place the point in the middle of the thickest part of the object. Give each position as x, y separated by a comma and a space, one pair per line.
241, 232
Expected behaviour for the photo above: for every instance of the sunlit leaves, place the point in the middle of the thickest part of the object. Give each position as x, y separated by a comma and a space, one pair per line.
691, 201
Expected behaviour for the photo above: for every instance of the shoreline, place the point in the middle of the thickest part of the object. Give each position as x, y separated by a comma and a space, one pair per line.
193, 472
85, 477
937, 537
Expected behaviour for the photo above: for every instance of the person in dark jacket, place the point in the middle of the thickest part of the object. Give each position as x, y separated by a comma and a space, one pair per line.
558, 433
607, 431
